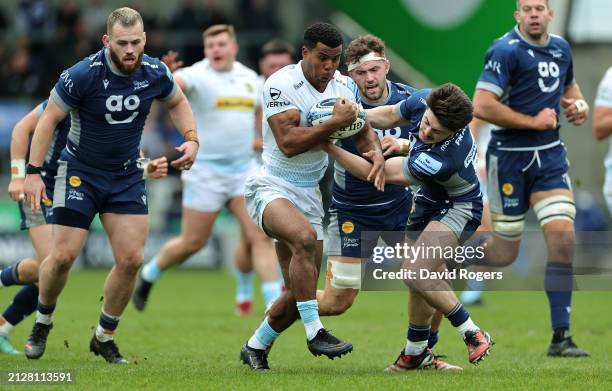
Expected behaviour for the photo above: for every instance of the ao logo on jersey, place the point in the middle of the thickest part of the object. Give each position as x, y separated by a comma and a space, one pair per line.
116, 103
393, 132
548, 69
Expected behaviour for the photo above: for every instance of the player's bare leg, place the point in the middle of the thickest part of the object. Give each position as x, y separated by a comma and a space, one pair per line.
52, 277
244, 277
196, 228
261, 249
127, 235
300, 239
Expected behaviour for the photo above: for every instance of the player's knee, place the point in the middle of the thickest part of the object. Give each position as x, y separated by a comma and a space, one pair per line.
193, 243
130, 263
509, 228
562, 250
62, 259
305, 241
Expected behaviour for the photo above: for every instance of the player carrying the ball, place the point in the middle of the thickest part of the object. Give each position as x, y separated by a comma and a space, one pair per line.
283, 198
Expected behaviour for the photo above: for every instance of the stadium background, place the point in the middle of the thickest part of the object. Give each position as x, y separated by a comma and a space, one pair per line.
187, 340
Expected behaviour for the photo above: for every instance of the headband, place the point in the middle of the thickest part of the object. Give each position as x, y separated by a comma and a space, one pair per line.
368, 57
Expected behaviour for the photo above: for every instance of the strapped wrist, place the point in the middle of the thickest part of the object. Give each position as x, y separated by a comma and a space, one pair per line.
191, 135
32, 169
18, 168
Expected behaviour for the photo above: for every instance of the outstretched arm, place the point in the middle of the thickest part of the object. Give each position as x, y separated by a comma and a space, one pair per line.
386, 117
360, 167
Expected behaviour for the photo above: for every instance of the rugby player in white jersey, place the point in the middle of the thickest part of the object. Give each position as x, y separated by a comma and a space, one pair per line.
225, 99
284, 197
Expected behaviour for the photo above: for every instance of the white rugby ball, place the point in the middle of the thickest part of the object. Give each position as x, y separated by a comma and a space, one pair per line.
323, 110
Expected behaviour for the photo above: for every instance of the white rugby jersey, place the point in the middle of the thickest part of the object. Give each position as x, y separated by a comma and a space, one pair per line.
288, 89
224, 105
604, 99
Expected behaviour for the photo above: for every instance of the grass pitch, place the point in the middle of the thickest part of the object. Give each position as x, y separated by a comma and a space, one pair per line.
189, 338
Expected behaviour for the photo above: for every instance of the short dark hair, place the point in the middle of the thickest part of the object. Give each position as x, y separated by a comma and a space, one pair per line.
363, 45
276, 46
451, 106
325, 33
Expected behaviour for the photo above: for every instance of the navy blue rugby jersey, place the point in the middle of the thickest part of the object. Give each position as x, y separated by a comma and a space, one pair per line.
445, 170
527, 78
108, 109
349, 190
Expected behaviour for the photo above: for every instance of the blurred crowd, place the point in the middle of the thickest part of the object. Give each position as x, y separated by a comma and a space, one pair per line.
43, 37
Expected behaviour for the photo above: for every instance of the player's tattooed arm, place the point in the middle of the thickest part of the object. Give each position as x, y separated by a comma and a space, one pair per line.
19, 149
488, 108
576, 109
293, 139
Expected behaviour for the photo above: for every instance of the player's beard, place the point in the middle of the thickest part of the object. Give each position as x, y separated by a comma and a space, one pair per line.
122, 67
373, 95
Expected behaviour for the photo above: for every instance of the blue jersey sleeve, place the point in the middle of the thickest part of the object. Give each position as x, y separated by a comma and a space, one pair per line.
414, 104
167, 85
569, 78
68, 90
424, 167
499, 64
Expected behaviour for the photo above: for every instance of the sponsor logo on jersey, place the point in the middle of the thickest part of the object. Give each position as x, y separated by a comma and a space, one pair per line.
234, 103
249, 87
494, 66
556, 53
278, 104
348, 227
507, 189
298, 85
74, 181
47, 202
67, 80
275, 93
153, 66
427, 164
75, 195
511, 202
139, 85
350, 242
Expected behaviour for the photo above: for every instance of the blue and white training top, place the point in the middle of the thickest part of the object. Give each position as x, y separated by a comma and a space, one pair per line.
351, 191
445, 170
527, 78
108, 109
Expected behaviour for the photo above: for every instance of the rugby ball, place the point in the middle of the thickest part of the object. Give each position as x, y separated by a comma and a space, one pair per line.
323, 110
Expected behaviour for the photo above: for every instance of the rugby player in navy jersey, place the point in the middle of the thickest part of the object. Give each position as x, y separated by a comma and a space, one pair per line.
446, 210
356, 205
108, 96
527, 79
38, 224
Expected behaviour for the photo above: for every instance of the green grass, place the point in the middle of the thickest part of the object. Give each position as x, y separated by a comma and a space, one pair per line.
189, 338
